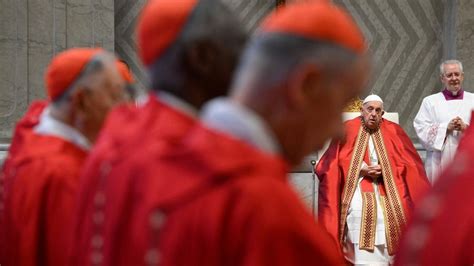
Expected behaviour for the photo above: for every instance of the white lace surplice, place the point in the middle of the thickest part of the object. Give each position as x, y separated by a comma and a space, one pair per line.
431, 124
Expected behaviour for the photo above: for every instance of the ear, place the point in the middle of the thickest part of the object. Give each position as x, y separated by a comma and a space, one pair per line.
304, 85
200, 57
79, 100
383, 112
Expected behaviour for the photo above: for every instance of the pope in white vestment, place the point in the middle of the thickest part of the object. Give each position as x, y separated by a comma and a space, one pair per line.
442, 119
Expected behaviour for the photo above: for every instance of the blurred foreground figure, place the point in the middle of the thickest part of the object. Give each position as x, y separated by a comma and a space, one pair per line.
50, 143
227, 200
369, 183
442, 230
219, 194
190, 49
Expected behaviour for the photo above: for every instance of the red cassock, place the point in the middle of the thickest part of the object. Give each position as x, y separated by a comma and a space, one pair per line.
219, 201
104, 203
40, 184
404, 165
206, 200
442, 230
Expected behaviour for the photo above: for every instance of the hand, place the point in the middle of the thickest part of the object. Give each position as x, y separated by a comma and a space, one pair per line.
452, 125
460, 125
373, 171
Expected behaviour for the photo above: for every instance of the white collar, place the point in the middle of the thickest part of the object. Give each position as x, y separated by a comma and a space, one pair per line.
50, 126
240, 122
177, 103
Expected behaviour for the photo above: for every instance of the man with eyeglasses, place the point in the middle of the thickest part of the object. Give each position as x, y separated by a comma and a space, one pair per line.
39, 180
369, 182
442, 119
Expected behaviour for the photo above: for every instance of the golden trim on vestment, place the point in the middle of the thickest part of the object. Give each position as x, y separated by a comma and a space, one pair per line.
394, 215
369, 221
352, 178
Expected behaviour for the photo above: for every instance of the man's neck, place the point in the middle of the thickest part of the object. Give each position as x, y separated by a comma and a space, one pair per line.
455, 91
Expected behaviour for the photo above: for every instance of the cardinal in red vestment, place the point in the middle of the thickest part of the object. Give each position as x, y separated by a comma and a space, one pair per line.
162, 188
442, 228
49, 145
370, 181
190, 49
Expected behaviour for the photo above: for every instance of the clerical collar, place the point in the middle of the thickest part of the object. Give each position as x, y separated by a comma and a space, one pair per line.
50, 126
448, 95
240, 122
177, 103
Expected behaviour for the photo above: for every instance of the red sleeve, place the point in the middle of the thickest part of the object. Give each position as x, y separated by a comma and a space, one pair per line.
330, 176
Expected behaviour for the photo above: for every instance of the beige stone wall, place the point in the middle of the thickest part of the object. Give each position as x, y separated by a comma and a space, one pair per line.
31, 33
407, 38
465, 41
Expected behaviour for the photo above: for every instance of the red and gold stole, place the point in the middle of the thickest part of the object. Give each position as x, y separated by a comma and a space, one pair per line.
394, 215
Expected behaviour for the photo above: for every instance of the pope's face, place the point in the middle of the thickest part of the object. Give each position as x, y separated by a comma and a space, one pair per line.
452, 77
372, 114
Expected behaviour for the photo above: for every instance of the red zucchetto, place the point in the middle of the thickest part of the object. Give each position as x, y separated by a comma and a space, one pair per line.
66, 67
159, 26
320, 20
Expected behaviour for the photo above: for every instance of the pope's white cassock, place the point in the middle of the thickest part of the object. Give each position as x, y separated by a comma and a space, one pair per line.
431, 123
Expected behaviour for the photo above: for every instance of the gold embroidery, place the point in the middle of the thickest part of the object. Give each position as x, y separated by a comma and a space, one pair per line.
395, 216
390, 229
352, 178
369, 220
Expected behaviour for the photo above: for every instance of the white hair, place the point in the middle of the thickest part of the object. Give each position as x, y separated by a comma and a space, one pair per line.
449, 62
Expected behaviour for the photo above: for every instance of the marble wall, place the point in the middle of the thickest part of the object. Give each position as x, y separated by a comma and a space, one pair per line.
464, 34
408, 39
127, 13
31, 33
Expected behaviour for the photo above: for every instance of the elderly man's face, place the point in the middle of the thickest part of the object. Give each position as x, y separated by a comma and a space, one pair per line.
102, 91
107, 90
372, 114
452, 77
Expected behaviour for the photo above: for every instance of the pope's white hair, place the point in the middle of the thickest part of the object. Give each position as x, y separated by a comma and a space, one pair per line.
450, 62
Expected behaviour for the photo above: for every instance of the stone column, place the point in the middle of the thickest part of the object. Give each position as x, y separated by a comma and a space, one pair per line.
127, 13
31, 33
465, 41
